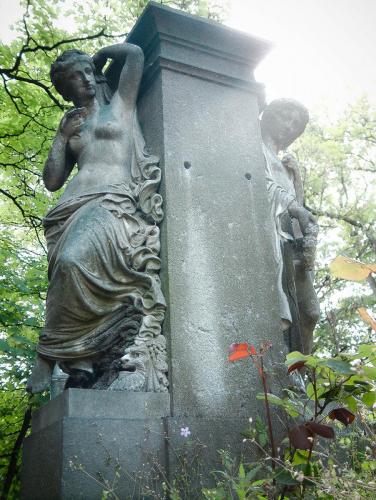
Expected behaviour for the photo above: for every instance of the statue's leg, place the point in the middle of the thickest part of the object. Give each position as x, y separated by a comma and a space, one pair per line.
309, 309
293, 336
80, 371
40, 378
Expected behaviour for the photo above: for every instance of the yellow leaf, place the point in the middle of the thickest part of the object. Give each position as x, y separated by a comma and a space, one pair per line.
367, 317
351, 269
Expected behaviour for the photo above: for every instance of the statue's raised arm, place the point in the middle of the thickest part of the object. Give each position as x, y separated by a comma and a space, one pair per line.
131, 58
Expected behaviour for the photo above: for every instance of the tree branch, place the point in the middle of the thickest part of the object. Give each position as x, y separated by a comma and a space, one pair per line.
331, 215
12, 467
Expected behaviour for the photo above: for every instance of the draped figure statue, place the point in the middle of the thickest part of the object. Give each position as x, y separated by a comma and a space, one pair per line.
295, 229
104, 305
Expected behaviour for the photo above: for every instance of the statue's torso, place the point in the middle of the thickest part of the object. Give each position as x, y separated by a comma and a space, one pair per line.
102, 148
282, 176
285, 178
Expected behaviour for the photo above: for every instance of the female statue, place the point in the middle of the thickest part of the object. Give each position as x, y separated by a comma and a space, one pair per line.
104, 300
282, 122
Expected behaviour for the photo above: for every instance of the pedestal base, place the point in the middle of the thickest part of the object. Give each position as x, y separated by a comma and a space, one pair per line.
86, 442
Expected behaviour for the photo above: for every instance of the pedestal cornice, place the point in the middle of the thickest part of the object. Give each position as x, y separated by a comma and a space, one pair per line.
176, 41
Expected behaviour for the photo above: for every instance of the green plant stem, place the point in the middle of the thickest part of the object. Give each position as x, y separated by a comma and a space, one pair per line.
314, 385
268, 415
317, 413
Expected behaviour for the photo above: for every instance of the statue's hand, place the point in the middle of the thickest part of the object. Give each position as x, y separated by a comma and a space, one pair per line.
289, 161
99, 60
304, 216
71, 122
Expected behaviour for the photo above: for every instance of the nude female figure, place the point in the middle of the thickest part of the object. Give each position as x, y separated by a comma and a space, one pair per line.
104, 292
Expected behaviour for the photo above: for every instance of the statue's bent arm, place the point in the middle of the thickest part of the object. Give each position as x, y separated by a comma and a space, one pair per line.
59, 164
131, 73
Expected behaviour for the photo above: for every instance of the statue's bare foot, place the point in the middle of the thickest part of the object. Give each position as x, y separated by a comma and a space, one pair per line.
40, 378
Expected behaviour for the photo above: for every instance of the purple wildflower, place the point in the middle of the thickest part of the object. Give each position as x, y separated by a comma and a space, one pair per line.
185, 432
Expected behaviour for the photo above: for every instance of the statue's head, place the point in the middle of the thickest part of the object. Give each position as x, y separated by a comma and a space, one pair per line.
74, 76
284, 120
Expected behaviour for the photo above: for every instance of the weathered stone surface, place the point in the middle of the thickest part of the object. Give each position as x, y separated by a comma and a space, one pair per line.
104, 307
198, 110
295, 228
86, 436
86, 403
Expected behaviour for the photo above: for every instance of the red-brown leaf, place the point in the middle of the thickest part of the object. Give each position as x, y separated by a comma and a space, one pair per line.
296, 366
301, 437
239, 351
238, 355
239, 347
322, 430
342, 415
252, 350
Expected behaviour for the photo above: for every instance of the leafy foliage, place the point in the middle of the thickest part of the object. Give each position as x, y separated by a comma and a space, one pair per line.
338, 162
336, 390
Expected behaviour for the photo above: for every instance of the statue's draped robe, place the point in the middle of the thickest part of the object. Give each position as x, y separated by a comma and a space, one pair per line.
281, 193
103, 251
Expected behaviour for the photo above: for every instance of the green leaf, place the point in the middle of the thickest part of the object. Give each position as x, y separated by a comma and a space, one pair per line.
241, 471
367, 350
370, 372
320, 390
288, 406
351, 403
338, 366
251, 474
274, 400
283, 476
300, 457
294, 357
369, 399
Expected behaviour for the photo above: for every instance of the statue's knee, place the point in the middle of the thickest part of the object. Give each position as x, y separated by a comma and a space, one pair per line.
315, 313
67, 260
312, 314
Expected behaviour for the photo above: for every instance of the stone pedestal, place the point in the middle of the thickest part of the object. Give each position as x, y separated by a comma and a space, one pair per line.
198, 107
85, 442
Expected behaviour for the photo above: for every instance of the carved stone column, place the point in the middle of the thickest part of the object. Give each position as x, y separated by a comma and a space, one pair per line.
198, 110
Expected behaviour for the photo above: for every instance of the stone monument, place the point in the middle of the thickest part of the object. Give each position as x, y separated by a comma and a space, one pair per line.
197, 107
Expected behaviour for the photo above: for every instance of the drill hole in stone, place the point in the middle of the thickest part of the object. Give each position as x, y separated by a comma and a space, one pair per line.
187, 164
248, 176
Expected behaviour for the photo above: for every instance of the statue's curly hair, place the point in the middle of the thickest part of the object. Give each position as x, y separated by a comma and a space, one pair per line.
282, 105
68, 57
60, 65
